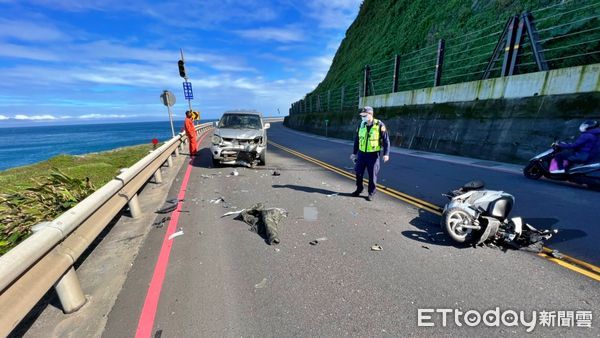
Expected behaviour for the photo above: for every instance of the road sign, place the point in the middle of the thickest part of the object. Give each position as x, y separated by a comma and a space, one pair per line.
195, 115
187, 91
167, 98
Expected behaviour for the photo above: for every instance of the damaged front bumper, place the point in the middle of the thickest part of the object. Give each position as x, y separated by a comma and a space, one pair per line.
243, 153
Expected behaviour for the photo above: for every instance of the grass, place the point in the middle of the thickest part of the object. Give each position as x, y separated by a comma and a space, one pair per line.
98, 167
42, 191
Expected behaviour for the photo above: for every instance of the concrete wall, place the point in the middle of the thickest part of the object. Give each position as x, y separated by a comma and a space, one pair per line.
506, 119
581, 79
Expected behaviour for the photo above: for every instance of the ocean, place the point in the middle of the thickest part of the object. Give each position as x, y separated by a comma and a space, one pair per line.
21, 146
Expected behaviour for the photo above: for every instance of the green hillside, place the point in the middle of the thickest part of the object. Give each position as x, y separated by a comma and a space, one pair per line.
471, 29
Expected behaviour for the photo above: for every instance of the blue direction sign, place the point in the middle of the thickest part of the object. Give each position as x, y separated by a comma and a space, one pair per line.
187, 91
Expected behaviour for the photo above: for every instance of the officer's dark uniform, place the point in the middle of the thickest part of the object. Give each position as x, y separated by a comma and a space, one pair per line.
368, 143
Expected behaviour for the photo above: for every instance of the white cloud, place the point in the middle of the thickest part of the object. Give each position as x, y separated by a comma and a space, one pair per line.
2, 117
35, 117
27, 30
104, 116
287, 34
25, 52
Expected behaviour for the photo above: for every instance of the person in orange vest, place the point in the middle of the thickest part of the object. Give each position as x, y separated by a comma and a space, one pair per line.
190, 130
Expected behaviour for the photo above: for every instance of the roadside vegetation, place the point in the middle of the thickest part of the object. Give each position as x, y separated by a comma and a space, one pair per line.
42, 191
384, 28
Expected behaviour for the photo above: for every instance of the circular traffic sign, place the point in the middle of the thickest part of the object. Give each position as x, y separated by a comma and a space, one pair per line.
167, 98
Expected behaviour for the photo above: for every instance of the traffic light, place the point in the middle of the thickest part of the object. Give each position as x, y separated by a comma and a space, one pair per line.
181, 68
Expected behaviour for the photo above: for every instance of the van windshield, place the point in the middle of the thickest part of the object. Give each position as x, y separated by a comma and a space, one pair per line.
240, 121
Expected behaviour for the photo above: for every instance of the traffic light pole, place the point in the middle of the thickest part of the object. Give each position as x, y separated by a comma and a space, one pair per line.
186, 80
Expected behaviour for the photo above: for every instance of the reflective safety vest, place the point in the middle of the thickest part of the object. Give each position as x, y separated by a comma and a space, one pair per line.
369, 143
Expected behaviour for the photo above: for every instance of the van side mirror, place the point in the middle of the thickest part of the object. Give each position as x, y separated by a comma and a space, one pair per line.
216, 124
267, 126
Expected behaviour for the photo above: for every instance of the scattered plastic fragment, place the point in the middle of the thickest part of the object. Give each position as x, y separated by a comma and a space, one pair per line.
425, 247
161, 223
232, 213
556, 254
331, 195
261, 285
277, 249
315, 242
167, 207
205, 176
311, 213
376, 247
321, 239
176, 234
158, 334
217, 200
235, 172
276, 173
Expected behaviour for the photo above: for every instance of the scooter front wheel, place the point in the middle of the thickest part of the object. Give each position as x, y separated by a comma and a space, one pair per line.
453, 221
533, 171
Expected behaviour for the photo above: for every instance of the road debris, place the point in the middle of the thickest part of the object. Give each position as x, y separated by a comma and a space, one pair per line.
276, 173
425, 247
261, 285
311, 213
176, 234
161, 223
315, 242
277, 249
169, 206
556, 254
335, 194
205, 176
232, 213
264, 221
235, 172
376, 247
217, 200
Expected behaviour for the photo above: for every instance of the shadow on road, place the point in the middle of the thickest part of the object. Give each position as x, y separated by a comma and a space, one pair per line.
309, 189
203, 158
430, 232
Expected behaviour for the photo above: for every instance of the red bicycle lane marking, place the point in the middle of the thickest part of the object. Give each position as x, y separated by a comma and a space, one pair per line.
146, 321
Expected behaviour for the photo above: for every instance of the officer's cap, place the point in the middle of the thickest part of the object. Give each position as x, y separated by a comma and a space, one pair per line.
366, 110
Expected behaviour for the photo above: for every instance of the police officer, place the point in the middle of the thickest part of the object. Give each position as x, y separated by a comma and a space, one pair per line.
371, 137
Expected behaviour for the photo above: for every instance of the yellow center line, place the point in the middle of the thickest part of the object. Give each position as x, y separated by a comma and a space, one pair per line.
573, 264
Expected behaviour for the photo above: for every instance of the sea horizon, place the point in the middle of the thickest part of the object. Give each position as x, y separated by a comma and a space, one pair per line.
19, 148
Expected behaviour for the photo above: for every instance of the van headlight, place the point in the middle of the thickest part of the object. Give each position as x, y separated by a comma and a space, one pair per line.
216, 139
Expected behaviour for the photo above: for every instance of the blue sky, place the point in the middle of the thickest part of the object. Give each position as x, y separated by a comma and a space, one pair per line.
76, 61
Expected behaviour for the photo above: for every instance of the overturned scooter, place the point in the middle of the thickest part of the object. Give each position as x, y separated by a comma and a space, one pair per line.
475, 215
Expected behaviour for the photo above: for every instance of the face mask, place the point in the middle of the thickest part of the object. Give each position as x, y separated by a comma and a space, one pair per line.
364, 118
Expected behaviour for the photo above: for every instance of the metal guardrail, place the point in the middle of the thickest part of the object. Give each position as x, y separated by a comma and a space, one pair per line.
46, 258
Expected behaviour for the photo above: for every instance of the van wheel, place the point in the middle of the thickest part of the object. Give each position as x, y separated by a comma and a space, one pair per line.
263, 158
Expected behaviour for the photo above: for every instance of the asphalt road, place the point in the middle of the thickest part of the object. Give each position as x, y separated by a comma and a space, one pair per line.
573, 210
223, 280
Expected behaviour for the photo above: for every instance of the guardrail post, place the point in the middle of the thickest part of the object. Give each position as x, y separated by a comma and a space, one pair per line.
157, 178
135, 210
169, 162
176, 151
69, 292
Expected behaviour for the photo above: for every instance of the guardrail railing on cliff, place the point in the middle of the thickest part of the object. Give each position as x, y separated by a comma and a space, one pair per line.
46, 258
563, 35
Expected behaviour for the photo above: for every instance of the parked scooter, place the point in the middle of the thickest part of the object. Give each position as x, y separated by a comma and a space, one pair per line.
475, 215
587, 174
